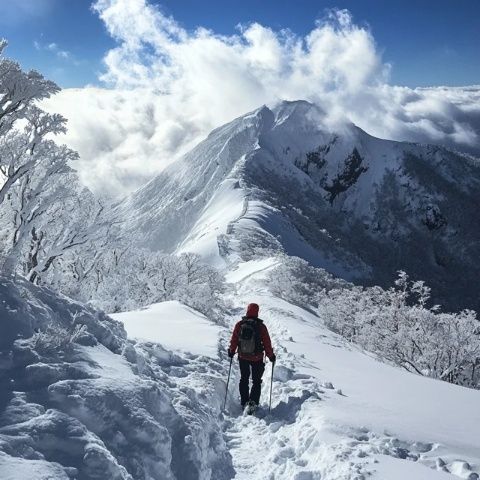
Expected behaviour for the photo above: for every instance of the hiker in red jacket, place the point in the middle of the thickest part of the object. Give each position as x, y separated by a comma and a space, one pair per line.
251, 337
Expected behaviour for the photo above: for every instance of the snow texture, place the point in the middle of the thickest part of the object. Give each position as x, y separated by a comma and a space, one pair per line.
167, 323
109, 407
338, 413
358, 206
103, 407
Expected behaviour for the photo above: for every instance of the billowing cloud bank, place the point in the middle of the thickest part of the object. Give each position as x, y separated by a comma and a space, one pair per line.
168, 87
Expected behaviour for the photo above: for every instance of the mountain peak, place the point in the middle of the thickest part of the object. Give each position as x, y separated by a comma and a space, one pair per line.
299, 110
358, 206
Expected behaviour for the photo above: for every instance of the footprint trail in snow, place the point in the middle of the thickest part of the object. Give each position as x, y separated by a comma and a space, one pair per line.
315, 429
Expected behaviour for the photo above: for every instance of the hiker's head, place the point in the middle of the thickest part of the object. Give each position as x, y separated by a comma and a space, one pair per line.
252, 310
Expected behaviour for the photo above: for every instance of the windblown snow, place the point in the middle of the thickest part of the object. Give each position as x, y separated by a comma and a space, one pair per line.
151, 407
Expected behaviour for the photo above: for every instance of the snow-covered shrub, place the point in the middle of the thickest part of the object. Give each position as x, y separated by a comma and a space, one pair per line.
396, 324
255, 243
56, 338
125, 278
296, 281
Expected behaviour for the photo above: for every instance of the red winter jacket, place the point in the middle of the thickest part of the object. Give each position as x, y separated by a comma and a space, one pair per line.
266, 342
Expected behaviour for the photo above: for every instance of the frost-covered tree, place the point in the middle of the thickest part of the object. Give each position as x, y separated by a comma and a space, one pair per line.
295, 280
19, 92
122, 277
44, 211
397, 324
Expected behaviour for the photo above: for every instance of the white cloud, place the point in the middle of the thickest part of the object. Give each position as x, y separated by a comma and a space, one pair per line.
170, 87
124, 136
56, 50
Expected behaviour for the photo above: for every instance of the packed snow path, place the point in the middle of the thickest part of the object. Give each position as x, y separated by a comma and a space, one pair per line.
277, 445
319, 429
337, 413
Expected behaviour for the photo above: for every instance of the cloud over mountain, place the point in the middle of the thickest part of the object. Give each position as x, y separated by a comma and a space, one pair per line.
168, 87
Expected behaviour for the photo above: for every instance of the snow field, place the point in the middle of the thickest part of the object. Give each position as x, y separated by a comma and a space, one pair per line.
175, 326
338, 413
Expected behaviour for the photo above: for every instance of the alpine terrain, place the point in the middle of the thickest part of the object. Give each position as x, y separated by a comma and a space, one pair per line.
310, 222
192, 292
360, 207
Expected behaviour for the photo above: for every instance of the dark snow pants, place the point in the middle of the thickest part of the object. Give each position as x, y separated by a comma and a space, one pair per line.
257, 369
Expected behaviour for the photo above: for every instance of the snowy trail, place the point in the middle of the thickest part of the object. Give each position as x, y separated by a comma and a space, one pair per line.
337, 413
263, 446
316, 430
248, 455
271, 446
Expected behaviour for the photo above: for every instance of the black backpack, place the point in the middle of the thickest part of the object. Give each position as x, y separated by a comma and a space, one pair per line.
249, 339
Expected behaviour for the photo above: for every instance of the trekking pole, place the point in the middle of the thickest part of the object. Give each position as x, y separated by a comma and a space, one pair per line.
271, 386
228, 381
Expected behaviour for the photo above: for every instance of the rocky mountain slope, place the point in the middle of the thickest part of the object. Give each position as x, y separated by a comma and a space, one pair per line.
358, 206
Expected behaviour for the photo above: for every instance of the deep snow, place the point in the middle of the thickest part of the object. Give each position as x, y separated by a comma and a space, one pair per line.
102, 407
175, 326
135, 409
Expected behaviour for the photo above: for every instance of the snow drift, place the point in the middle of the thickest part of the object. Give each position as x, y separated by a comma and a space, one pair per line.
78, 400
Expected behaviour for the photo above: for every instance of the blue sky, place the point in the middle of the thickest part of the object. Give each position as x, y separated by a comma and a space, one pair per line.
427, 42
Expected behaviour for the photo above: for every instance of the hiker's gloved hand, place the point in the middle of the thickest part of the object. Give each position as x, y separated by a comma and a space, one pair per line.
230, 353
273, 358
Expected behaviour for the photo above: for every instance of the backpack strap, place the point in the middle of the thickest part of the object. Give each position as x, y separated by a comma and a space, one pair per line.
258, 336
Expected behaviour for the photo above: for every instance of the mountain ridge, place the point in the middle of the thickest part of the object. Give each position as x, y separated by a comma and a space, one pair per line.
358, 206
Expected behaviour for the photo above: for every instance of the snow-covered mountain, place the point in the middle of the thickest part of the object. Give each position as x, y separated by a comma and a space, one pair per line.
358, 206
79, 399
368, 383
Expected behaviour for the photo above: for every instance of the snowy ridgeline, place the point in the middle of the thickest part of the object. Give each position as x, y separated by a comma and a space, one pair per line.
78, 400
361, 207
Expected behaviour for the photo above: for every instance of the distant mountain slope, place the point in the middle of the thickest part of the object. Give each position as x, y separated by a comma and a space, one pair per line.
359, 206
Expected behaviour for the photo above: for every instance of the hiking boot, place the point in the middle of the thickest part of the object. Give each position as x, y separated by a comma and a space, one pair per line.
251, 407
